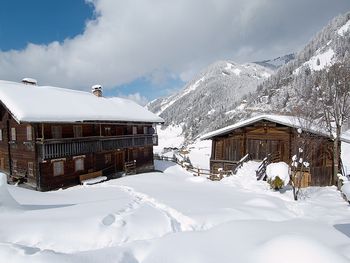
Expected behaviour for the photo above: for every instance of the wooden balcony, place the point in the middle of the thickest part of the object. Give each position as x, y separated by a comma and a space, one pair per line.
60, 148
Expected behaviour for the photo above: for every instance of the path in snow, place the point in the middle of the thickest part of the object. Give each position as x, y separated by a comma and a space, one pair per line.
178, 221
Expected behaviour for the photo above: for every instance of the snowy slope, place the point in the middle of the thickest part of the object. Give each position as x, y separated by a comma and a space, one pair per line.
175, 217
206, 100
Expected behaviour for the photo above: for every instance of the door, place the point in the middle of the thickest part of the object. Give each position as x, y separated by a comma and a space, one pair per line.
119, 159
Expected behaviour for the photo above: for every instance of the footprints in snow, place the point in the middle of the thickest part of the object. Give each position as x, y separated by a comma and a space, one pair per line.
177, 221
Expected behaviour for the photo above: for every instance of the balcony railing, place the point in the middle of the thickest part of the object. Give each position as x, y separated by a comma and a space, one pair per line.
59, 148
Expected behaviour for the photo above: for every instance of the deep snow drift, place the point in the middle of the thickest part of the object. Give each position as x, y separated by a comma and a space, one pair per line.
175, 217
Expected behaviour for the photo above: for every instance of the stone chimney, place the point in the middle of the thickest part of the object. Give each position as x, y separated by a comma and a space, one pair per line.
29, 81
97, 90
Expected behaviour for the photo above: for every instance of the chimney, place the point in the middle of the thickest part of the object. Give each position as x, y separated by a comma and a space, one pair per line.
97, 90
29, 81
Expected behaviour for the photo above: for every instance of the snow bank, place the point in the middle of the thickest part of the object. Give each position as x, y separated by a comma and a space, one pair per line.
292, 248
346, 190
280, 169
6, 199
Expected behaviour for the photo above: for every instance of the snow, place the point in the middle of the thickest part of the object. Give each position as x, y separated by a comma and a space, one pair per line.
230, 67
289, 121
345, 28
52, 104
171, 216
346, 190
94, 180
170, 136
281, 119
280, 169
319, 61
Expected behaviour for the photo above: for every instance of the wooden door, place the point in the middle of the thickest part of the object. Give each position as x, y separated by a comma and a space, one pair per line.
119, 159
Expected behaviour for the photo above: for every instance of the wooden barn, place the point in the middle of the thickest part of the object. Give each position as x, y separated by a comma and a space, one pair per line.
52, 137
279, 137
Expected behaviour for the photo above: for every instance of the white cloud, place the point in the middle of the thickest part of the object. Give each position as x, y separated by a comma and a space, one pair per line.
132, 39
137, 97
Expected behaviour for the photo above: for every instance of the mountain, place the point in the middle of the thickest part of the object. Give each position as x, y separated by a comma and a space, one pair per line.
226, 92
206, 101
292, 86
277, 62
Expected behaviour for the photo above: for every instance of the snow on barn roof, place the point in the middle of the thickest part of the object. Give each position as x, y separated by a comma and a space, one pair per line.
290, 121
30, 103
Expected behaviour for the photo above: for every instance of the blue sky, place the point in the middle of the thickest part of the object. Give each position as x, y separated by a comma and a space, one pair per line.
41, 21
146, 49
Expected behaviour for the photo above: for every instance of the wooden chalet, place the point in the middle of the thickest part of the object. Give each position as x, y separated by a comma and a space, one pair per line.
275, 136
52, 137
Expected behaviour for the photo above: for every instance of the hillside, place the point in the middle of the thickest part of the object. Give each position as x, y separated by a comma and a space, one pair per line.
206, 100
293, 84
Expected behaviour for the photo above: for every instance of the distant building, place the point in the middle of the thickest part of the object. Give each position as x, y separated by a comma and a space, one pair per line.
275, 135
51, 137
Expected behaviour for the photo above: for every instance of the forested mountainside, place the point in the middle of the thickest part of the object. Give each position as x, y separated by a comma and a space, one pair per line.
227, 92
205, 101
293, 85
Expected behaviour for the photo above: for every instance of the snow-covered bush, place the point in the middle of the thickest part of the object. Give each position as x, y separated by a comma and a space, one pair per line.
276, 183
277, 175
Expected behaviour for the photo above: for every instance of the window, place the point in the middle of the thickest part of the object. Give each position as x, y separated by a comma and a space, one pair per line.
78, 131
79, 164
107, 131
30, 169
58, 168
108, 158
0, 134
29, 133
13, 134
134, 130
145, 130
56, 132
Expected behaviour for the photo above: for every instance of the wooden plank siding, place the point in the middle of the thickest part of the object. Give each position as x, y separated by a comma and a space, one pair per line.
22, 157
264, 137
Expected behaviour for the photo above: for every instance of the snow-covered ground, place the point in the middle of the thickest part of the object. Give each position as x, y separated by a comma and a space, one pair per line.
174, 217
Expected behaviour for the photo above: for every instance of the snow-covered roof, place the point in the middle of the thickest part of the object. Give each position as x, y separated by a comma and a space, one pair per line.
290, 121
29, 103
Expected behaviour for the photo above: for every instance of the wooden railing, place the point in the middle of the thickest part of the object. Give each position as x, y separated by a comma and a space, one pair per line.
53, 148
270, 158
246, 158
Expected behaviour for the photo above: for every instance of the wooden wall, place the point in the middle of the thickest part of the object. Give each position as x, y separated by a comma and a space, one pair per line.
262, 138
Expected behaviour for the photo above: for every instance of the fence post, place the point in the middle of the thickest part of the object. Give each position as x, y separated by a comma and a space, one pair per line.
198, 171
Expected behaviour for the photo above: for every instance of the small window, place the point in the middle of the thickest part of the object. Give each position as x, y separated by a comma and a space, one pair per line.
30, 169
58, 168
107, 131
13, 134
56, 132
145, 130
108, 158
29, 133
78, 131
134, 130
79, 164
0, 134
